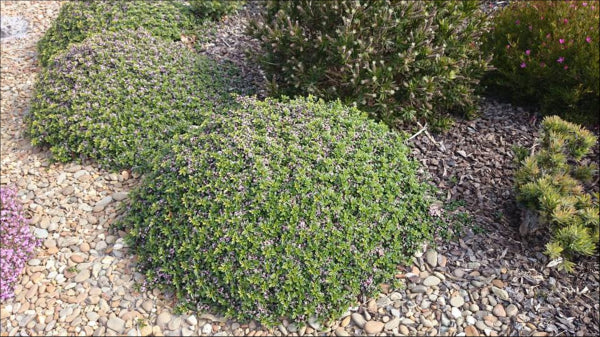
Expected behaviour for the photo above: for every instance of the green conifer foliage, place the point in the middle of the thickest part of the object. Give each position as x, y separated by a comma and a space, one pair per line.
552, 184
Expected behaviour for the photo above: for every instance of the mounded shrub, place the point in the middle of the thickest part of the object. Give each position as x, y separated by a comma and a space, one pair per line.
17, 243
551, 184
214, 10
79, 19
399, 60
116, 96
279, 209
546, 55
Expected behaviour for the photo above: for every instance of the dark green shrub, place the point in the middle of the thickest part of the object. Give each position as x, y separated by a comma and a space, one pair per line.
80, 19
550, 183
279, 209
214, 9
546, 55
399, 60
116, 96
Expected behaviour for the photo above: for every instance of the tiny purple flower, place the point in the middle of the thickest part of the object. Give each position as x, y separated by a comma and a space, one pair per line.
588, 39
560, 59
561, 41
523, 65
527, 52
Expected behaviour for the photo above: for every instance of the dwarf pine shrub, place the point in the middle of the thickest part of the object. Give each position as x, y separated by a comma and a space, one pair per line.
17, 243
79, 19
546, 55
279, 209
399, 60
552, 181
118, 95
215, 9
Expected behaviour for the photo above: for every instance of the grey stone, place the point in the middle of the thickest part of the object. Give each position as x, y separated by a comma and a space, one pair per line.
163, 319
100, 205
418, 289
118, 196
82, 276
147, 305
116, 324
207, 328
431, 281
175, 324
392, 324
26, 319
395, 296
426, 323
457, 301
359, 320
431, 256
193, 321
101, 245
511, 310
92, 316
341, 332
312, 321
501, 293
282, 329
85, 207
382, 302
80, 174
67, 241
40, 233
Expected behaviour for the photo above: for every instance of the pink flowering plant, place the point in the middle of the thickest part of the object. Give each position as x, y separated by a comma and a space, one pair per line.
17, 242
546, 54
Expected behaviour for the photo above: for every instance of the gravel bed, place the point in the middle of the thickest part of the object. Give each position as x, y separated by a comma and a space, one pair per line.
490, 281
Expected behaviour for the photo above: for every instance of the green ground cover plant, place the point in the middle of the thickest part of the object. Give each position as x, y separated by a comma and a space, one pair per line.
79, 19
399, 60
215, 9
117, 96
277, 209
552, 183
546, 55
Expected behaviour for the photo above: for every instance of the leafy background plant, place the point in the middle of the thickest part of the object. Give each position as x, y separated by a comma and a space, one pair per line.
79, 19
17, 243
399, 60
546, 55
278, 209
214, 10
551, 182
117, 96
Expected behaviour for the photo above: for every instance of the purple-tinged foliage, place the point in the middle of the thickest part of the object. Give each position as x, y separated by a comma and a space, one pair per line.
17, 242
117, 96
78, 20
279, 208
